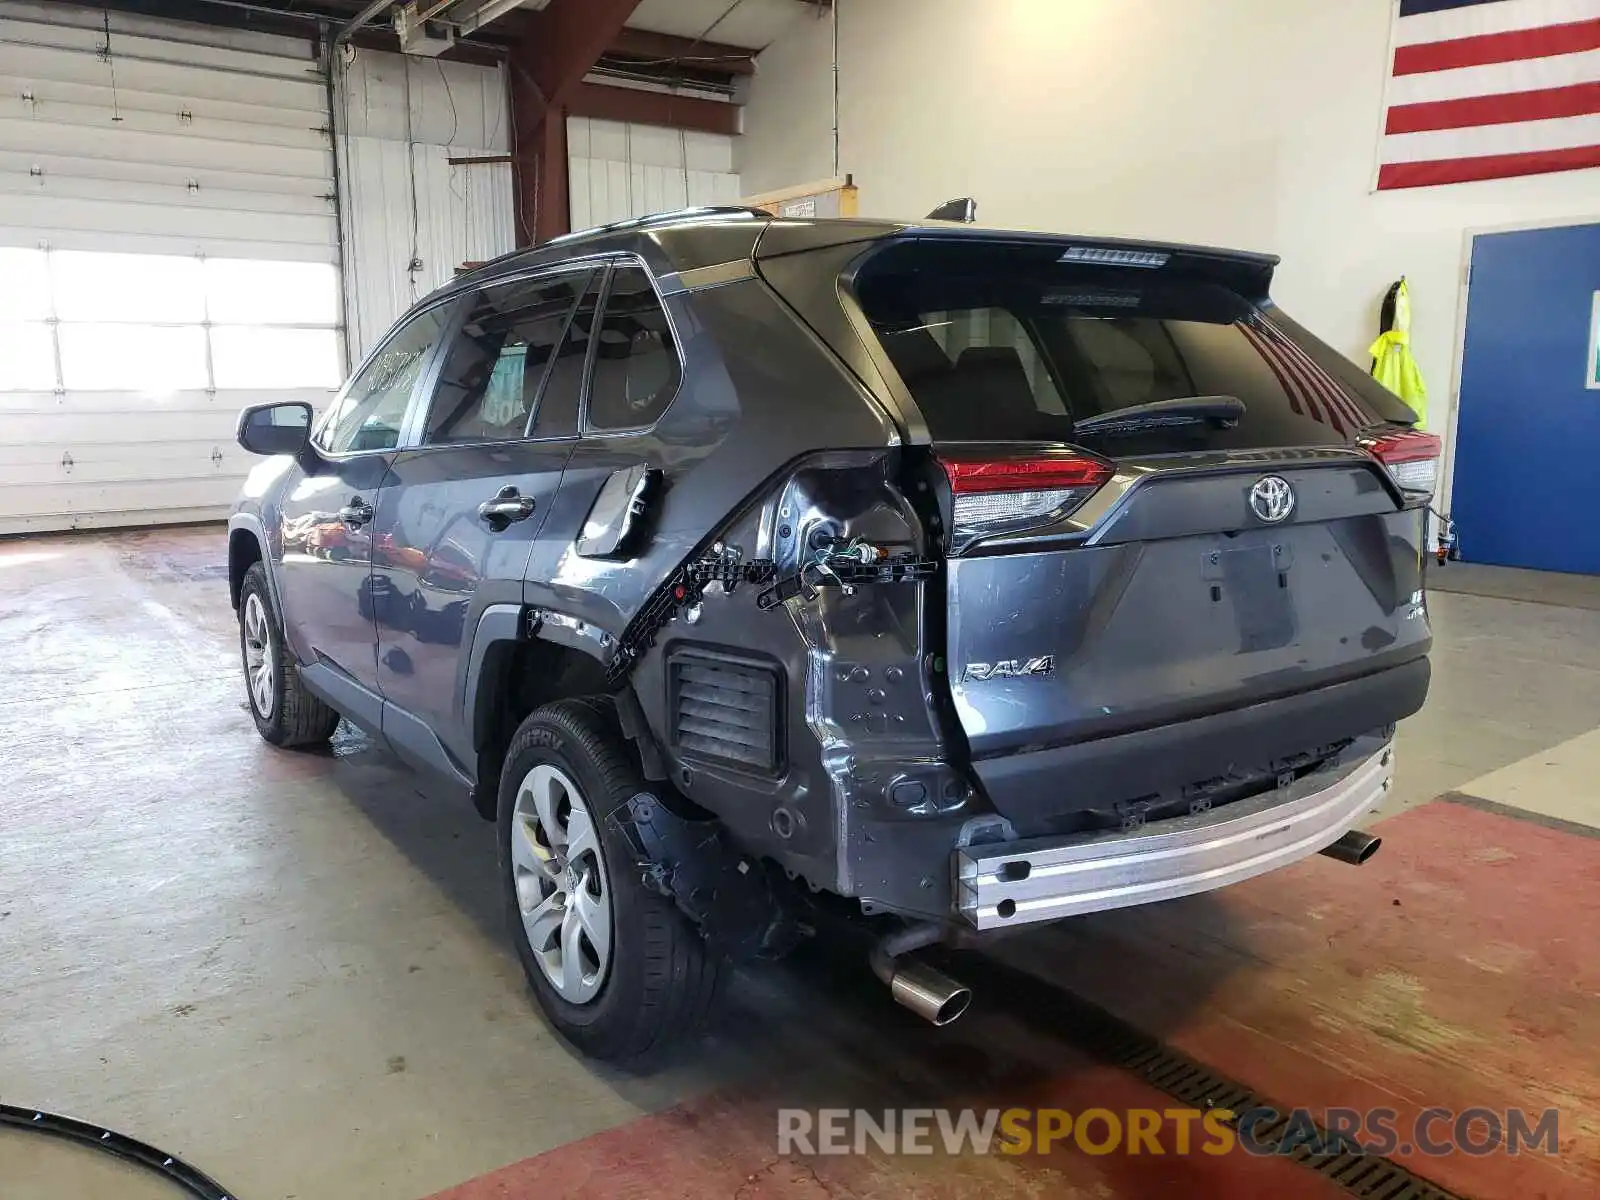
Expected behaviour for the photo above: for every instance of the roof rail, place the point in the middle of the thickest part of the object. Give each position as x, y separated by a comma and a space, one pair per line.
664, 218
680, 214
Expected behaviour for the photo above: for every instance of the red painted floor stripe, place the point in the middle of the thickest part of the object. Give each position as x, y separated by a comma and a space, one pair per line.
1458, 968
1572, 38
727, 1146
1488, 166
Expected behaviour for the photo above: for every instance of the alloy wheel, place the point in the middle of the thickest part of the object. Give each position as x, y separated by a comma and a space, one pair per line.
259, 665
561, 886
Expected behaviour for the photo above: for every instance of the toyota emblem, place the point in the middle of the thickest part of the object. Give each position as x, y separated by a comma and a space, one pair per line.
1272, 499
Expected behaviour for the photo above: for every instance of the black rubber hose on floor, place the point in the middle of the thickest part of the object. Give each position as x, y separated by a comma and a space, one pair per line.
174, 1170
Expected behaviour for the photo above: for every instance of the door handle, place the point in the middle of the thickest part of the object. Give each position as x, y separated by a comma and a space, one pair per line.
507, 506
357, 513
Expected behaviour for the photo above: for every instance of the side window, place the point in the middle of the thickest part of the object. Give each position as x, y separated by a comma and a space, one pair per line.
490, 384
558, 409
370, 413
636, 369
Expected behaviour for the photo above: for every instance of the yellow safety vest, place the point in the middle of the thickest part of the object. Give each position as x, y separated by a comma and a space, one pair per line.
1392, 362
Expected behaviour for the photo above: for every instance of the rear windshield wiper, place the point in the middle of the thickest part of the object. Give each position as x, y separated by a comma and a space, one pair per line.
1221, 411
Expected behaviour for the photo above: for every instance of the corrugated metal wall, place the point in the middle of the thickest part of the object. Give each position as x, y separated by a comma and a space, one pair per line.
196, 150
617, 170
411, 218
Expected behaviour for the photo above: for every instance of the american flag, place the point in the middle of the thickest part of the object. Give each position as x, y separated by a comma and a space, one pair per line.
1486, 89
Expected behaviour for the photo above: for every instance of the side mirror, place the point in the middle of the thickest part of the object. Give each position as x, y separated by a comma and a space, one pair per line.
283, 428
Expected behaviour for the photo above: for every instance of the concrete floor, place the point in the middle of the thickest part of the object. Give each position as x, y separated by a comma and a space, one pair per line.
289, 968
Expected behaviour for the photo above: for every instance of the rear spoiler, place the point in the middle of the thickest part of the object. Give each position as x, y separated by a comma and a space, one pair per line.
1246, 273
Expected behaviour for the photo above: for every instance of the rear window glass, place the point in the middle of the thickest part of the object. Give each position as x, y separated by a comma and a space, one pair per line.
996, 345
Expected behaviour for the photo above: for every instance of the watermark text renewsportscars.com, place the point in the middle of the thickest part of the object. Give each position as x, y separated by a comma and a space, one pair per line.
1159, 1131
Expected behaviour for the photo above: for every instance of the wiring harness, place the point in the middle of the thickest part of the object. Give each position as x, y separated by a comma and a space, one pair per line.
846, 564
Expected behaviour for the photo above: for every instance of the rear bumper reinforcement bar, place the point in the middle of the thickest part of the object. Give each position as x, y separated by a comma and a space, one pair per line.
1004, 884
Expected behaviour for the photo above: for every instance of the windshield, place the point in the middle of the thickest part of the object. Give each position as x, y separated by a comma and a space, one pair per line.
995, 344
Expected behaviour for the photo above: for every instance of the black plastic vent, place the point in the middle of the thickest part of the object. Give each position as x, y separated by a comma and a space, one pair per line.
726, 709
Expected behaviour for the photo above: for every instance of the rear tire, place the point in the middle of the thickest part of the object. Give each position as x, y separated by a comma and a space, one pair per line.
625, 991
285, 713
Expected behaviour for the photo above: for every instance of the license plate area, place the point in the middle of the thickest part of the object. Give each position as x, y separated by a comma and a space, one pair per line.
1252, 581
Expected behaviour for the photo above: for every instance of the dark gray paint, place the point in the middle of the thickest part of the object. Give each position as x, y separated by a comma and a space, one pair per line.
441, 566
1180, 603
497, 623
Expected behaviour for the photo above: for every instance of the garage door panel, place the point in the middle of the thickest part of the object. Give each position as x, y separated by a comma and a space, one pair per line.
154, 114
58, 167
33, 466
44, 437
60, 28
306, 160
141, 243
57, 74
61, 506
95, 418
186, 225
174, 193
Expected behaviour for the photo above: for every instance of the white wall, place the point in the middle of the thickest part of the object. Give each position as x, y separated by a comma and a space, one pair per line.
1250, 123
410, 217
618, 170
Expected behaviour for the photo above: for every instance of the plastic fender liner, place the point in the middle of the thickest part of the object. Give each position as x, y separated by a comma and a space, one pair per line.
695, 864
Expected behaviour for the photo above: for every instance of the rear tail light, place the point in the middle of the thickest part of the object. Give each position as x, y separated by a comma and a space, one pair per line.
1006, 495
1412, 459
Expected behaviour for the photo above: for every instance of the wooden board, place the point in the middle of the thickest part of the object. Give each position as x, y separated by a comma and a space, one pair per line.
820, 198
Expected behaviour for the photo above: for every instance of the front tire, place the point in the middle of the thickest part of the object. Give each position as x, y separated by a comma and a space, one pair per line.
616, 968
285, 713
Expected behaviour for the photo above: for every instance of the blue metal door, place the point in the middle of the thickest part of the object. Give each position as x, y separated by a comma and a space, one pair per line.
1527, 457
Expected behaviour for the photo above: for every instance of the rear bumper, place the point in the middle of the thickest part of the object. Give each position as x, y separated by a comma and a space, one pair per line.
1044, 879
1031, 787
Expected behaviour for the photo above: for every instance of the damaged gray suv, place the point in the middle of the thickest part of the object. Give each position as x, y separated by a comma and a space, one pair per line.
952, 579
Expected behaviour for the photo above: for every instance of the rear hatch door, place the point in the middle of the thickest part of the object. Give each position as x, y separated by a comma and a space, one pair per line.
1162, 499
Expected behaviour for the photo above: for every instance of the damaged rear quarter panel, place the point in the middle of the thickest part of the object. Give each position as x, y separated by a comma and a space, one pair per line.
866, 804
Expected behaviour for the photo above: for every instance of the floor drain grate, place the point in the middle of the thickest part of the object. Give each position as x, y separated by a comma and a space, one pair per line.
1367, 1175
1113, 1041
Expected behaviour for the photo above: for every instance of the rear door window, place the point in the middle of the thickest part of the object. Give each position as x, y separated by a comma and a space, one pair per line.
993, 346
494, 374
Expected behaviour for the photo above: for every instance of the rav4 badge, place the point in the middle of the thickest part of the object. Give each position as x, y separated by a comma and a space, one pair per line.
1010, 668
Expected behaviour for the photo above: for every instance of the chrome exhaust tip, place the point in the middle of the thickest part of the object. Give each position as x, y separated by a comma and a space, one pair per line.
1354, 847
931, 994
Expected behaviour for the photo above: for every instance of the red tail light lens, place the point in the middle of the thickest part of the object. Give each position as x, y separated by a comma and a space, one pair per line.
1412, 458
1007, 495
972, 477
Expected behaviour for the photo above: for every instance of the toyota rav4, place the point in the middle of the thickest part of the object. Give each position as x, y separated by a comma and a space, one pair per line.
948, 579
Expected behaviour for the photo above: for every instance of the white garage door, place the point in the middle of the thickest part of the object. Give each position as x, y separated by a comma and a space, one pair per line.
168, 251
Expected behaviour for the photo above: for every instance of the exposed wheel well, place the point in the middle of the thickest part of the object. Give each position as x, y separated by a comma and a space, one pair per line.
515, 679
243, 551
